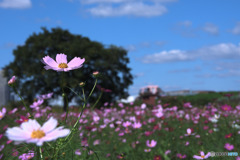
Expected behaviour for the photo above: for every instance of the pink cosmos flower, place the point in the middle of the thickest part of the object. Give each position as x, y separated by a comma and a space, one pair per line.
12, 80
228, 135
187, 105
36, 104
2, 113
96, 142
203, 156
226, 107
61, 63
22, 119
104, 89
229, 146
189, 132
45, 96
167, 152
78, 152
152, 144
1, 147
137, 125
13, 111
32, 132
148, 133
159, 114
179, 155
147, 150
126, 124
26, 156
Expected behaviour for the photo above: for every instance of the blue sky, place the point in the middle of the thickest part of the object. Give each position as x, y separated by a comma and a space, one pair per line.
175, 44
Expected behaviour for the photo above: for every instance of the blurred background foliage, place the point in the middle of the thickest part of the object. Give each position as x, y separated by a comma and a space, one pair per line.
33, 79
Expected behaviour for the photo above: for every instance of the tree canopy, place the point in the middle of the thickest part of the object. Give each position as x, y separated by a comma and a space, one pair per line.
33, 79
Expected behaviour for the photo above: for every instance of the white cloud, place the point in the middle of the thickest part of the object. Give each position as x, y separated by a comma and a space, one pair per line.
185, 23
132, 9
185, 29
167, 56
229, 73
219, 51
236, 29
18, 4
211, 29
143, 45
185, 70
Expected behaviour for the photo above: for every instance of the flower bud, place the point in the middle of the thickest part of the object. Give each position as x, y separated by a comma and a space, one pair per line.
96, 74
63, 95
12, 80
82, 84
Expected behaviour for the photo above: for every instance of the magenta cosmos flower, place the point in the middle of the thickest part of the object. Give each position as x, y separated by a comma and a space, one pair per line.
226, 107
32, 132
152, 144
2, 113
202, 155
229, 146
61, 63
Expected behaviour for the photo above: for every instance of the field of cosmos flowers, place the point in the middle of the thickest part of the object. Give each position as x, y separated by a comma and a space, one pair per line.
130, 131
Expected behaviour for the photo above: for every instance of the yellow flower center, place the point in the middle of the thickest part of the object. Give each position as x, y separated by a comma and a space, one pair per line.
1, 116
63, 65
37, 134
202, 156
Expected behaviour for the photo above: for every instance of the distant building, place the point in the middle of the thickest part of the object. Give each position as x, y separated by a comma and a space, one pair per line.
185, 92
4, 90
149, 94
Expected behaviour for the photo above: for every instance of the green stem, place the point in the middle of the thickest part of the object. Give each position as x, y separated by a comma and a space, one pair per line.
83, 95
64, 96
97, 101
40, 151
85, 102
67, 109
26, 107
92, 90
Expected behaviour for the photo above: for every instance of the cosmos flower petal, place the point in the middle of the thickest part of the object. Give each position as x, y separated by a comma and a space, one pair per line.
39, 143
4, 110
56, 134
17, 134
49, 125
61, 58
208, 154
34, 124
197, 157
26, 127
202, 153
76, 62
25, 133
50, 62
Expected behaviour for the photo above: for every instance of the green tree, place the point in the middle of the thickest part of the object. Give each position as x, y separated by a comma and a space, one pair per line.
33, 79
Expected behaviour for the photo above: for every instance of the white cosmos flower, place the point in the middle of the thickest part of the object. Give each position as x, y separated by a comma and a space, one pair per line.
32, 132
